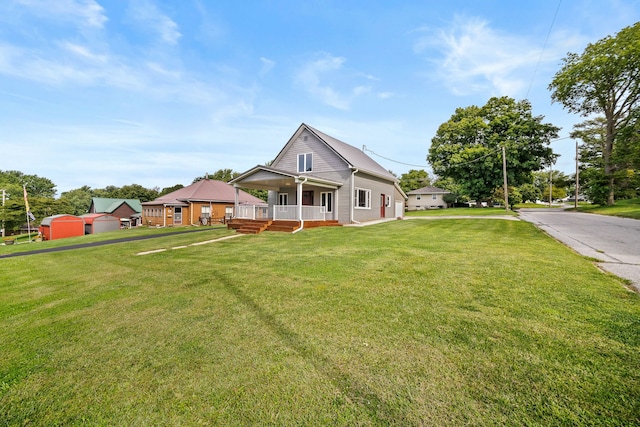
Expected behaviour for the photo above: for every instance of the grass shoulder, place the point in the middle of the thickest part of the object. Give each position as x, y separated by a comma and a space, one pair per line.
460, 212
623, 208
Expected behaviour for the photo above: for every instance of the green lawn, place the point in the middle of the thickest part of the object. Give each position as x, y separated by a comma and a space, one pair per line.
625, 208
460, 212
448, 322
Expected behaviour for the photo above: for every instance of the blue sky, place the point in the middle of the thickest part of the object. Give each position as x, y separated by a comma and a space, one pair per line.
157, 92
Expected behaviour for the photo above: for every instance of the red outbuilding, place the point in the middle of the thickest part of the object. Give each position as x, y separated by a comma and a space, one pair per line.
95, 223
60, 226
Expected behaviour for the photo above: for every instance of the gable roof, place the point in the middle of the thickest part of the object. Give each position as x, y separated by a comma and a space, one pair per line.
429, 190
109, 205
89, 218
352, 156
48, 220
206, 190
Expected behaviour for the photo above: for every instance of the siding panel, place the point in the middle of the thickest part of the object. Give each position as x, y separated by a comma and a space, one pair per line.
326, 163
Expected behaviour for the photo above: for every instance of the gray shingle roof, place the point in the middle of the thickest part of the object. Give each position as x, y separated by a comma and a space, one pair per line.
352, 155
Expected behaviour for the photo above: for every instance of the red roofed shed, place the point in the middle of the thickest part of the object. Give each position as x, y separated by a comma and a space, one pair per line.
60, 226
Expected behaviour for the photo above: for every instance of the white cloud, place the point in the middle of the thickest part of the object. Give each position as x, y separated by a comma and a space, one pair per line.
163, 71
146, 12
313, 77
477, 58
84, 52
267, 65
57, 67
232, 111
89, 12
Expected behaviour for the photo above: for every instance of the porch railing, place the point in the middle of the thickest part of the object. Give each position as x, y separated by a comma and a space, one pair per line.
290, 212
252, 212
282, 212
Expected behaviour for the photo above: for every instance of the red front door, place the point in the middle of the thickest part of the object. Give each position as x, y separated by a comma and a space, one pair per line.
307, 198
382, 200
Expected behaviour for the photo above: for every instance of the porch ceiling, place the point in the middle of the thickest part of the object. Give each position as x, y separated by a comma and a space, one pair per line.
273, 183
264, 178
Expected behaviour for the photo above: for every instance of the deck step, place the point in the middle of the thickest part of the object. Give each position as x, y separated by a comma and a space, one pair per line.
248, 226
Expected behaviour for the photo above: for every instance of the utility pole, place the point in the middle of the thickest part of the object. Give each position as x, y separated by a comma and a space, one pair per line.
577, 176
5, 196
550, 183
504, 177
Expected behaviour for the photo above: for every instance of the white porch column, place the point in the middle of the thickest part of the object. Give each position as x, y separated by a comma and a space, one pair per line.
299, 198
237, 196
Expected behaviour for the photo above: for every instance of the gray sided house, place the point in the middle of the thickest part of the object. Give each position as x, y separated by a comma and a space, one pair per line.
316, 177
426, 198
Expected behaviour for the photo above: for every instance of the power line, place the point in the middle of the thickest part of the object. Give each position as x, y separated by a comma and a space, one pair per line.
543, 48
364, 148
560, 139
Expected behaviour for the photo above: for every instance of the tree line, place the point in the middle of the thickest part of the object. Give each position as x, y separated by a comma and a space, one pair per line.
42, 202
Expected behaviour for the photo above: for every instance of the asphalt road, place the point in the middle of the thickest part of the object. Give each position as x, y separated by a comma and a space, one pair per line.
100, 243
614, 241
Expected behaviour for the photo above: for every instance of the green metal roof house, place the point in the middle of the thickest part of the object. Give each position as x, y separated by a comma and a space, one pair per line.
125, 209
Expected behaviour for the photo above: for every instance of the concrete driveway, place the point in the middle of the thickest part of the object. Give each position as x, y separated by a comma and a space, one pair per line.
614, 241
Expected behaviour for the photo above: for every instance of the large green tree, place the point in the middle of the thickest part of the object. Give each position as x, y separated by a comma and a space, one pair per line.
36, 186
78, 200
468, 147
224, 175
131, 191
625, 158
604, 79
414, 179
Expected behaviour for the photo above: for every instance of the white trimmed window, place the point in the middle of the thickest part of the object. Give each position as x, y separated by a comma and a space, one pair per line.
205, 211
362, 198
305, 162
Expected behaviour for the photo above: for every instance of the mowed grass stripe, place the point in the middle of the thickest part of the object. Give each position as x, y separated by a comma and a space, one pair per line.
451, 322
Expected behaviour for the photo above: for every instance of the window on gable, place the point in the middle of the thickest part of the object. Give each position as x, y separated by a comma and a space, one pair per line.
305, 162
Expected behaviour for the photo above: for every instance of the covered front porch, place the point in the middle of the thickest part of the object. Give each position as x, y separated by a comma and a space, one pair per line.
291, 197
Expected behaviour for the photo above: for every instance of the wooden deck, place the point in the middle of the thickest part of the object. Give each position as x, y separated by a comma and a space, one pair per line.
257, 226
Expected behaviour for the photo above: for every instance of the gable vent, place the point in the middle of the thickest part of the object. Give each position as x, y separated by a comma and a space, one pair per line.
304, 138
